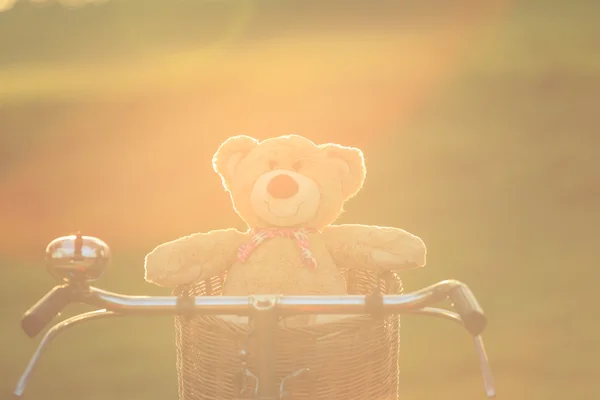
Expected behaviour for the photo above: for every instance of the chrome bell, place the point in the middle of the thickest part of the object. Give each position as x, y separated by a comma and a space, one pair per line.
77, 258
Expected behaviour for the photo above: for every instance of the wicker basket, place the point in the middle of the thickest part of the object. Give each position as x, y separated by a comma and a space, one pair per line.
355, 357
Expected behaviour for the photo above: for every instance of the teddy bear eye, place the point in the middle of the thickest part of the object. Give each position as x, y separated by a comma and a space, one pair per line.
272, 164
297, 165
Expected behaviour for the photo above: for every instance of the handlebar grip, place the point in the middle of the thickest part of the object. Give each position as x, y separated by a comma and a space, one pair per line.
41, 313
468, 308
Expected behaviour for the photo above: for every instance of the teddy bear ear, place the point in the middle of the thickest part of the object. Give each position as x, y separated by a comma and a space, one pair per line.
229, 155
351, 164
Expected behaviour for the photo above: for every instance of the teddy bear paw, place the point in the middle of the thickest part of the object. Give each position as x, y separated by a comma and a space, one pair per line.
388, 260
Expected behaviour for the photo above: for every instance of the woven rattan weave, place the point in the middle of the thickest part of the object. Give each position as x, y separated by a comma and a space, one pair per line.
355, 357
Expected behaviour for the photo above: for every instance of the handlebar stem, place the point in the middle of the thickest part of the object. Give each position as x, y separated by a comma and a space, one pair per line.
263, 321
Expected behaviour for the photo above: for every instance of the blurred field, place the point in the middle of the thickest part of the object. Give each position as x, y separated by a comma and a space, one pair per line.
479, 123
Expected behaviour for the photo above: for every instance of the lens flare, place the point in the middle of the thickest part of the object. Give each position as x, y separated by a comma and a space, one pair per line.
6, 4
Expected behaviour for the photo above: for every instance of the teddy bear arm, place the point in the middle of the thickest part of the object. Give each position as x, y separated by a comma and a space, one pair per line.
194, 257
345, 248
374, 247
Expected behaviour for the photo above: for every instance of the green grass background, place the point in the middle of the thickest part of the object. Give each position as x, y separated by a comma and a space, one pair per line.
483, 143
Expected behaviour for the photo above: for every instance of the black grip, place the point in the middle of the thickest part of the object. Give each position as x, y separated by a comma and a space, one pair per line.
41, 313
468, 308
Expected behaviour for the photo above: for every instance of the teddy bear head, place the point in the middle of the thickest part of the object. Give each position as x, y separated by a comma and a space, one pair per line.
288, 181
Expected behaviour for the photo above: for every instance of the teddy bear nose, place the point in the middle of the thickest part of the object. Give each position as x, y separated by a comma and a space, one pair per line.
282, 187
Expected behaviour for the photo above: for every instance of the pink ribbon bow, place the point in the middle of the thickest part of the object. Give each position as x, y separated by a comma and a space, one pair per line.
260, 235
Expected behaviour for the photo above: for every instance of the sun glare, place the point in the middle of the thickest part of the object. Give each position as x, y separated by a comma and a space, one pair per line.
348, 87
6, 4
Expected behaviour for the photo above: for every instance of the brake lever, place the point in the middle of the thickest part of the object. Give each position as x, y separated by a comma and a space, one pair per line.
48, 337
486, 369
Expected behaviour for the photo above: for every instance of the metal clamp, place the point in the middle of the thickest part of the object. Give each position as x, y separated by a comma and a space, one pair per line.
282, 389
243, 382
245, 373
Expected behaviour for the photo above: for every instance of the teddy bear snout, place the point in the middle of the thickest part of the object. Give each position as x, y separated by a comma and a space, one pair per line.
282, 186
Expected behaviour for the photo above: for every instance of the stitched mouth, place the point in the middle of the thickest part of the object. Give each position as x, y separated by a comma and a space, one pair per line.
284, 216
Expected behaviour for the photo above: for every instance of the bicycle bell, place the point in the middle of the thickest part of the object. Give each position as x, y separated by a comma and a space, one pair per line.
77, 258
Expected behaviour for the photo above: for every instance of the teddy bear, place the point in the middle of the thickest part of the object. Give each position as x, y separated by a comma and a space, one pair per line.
289, 191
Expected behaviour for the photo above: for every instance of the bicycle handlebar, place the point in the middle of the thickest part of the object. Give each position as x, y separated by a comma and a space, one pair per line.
466, 304
79, 259
468, 311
